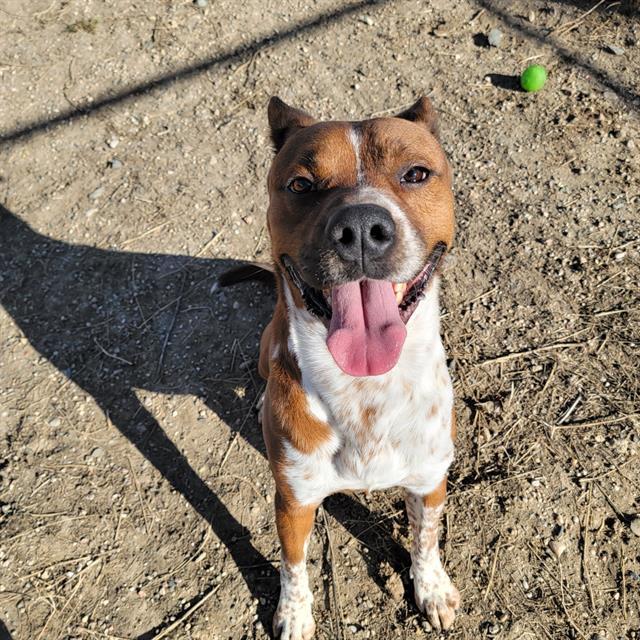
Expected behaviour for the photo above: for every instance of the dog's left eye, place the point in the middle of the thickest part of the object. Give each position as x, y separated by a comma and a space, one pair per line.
415, 175
300, 185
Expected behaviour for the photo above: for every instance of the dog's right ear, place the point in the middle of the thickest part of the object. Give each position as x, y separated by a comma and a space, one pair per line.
284, 120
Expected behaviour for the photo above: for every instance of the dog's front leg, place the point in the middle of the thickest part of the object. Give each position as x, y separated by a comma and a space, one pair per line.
293, 619
435, 595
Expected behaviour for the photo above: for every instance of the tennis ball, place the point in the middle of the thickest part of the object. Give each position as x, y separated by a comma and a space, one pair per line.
533, 78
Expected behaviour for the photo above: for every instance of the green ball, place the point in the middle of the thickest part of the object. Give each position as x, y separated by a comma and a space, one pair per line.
533, 78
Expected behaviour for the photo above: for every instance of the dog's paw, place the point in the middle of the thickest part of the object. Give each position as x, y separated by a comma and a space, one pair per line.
293, 620
436, 597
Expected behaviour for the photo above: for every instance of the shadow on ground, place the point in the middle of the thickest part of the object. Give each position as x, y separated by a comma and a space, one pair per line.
116, 96
239, 54
115, 322
4, 632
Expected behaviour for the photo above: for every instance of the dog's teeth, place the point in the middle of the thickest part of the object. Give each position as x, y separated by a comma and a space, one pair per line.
399, 288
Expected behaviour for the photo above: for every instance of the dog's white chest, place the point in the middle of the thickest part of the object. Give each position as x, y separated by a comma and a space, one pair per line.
389, 430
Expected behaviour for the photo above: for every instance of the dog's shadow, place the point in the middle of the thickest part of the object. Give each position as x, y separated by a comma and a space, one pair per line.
114, 322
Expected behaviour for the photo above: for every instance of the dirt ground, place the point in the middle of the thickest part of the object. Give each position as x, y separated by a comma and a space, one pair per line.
135, 498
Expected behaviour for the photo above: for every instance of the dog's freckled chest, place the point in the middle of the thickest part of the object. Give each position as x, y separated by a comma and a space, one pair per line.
389, 430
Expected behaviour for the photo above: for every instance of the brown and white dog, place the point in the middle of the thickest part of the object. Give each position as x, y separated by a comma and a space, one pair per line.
358, 394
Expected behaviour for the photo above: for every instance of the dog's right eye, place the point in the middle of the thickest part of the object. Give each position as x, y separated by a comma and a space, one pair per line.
300, 185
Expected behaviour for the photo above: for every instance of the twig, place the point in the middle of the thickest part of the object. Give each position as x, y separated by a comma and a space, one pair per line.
613, 312
170, 330
188, 613
527, 352
528, 59
133, 289
624, 244
573, 24
149, 231
564, 604
585, 549
99, 634
67, 603
571, 409
493, 569
597, 423
624, 585
111, 355
169, 304
135, 480
207, 245
478, 487
621, 516
482, 295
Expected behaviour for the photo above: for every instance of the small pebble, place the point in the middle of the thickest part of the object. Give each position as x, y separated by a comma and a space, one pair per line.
442, 31
115, 163
495, 37
94, 195
617, 51
557, 548
368, 20
113, 142
635, 525
97, 453
201, 3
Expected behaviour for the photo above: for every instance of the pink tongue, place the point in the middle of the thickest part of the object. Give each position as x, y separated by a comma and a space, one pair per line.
366, 333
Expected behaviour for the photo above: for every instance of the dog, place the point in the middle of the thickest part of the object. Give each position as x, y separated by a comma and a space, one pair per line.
358, 395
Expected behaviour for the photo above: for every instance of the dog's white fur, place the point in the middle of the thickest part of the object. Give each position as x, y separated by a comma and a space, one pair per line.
407, 443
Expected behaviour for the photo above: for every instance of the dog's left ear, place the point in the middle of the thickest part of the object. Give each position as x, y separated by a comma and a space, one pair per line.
423, 112
284, 120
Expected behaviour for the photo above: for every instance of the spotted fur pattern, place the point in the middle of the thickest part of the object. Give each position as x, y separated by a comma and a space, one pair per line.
293, 619
434, 593
392, 430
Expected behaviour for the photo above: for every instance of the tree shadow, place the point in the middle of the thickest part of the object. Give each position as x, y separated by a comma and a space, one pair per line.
115, 322
237, 54
116, 96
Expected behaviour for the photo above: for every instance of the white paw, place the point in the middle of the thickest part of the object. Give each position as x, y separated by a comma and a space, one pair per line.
293, 619
436, 597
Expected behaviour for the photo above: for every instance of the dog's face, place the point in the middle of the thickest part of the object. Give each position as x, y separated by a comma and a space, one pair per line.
358, 202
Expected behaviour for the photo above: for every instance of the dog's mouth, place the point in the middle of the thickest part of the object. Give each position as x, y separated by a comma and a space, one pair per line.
366, 318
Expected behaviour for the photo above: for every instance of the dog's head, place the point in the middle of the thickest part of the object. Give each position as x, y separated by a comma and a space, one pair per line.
360, 214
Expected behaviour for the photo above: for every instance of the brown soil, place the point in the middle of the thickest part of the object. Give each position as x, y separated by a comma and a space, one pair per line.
134, 489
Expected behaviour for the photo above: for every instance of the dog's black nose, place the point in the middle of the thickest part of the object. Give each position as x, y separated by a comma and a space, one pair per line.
361, 232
